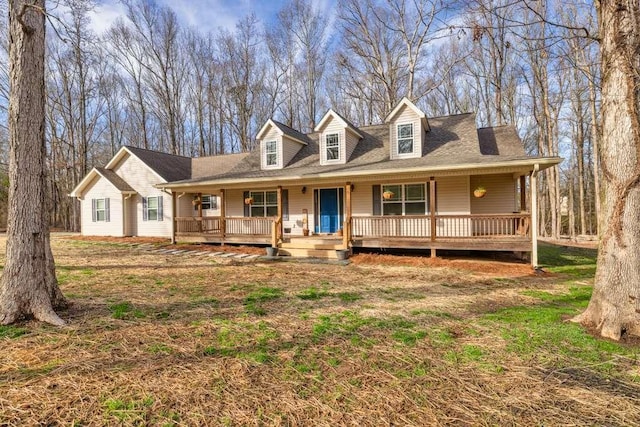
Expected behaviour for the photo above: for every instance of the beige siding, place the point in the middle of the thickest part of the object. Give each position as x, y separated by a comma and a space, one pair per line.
142, 180
297, 203
351, 143
333, 126
289, 150
362, 199
452, 194
404, 116
272, 135
100, 188
500, 196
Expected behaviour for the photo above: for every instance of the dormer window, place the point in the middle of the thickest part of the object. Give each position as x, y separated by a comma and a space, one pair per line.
271, 151
405, 138
333, 146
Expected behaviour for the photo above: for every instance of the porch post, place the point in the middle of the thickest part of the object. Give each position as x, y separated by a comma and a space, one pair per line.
534, 216
200, 212
346, 233
523, 193
173, 217
279, 227
432, 209
223, 223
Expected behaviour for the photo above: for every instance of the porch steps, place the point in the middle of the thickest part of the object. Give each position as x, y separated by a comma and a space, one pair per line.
317, 245
308, 252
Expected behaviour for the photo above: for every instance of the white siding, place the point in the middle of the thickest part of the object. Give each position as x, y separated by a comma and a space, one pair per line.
289, 150
350, 145
142, 180
272, 135
500, 197
100, 188
404, 116
333, 126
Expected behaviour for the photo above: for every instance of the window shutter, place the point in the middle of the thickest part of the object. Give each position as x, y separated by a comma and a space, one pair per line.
144, 208
285, 205
107, 217
93, 210
377, 204
245, 195
160, 199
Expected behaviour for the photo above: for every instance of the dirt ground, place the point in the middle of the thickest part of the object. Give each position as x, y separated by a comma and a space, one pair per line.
187, 340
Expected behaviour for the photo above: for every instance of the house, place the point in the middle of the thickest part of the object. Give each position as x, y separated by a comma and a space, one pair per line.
121, 199
408, 183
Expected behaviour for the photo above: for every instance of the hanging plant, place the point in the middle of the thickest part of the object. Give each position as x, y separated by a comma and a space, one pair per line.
388, 194
479, 192
196, 201
248, 201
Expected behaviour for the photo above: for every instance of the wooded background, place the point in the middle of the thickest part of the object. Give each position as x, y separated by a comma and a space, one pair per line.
152, 82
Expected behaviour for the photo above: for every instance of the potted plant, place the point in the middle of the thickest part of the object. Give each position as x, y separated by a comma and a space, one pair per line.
479, 192
388, 194
248, 201
196, 201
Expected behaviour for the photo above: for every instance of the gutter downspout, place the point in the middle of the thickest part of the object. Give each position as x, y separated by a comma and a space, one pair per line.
534, 215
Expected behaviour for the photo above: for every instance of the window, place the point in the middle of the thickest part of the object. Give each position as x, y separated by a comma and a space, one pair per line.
265, 203
271, 151
152, 208
209, 202
405, 138
333, 146
100, 209
404, 199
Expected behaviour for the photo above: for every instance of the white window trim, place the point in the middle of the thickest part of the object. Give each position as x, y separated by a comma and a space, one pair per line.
413, 139
264, 205
403, 199
212, 201
338, 147
157, 208
267, 153
103, 210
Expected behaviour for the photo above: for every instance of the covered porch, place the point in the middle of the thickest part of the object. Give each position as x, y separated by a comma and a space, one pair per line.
432, 231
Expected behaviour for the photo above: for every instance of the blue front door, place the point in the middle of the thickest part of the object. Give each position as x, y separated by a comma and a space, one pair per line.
329, 210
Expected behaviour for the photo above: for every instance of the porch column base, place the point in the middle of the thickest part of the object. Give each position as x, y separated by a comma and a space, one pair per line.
433, 252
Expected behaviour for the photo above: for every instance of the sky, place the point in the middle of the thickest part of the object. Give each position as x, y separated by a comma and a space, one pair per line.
207, 15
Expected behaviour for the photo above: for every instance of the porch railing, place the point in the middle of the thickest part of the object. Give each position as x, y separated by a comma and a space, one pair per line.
229, 226
446, 226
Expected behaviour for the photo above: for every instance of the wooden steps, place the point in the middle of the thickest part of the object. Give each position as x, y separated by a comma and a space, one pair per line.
311, 247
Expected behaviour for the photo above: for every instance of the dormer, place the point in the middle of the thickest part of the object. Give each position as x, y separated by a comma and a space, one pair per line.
337, 139
408, 126
278, 144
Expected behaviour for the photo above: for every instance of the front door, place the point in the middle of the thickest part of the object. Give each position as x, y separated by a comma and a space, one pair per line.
329, 202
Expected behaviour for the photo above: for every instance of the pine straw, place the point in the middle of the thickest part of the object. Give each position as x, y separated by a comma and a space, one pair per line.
158, 370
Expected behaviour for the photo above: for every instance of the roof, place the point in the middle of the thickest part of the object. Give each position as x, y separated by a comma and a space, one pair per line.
283, 130
453, 142
346, 123
116, 180
169, 167
202, 166
500, 141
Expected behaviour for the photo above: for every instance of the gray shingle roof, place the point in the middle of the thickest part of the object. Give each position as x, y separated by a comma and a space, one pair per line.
114, 179
169, 166
452, 140
290, 132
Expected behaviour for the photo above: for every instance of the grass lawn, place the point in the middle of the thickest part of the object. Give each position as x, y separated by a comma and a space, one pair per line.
182, 340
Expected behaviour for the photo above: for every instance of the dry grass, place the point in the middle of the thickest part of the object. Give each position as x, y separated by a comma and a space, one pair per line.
183, 340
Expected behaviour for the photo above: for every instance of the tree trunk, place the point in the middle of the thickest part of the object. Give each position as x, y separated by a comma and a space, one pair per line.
28, 286
614, 308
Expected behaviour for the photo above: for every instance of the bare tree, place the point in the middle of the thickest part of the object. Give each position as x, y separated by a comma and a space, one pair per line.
28, 286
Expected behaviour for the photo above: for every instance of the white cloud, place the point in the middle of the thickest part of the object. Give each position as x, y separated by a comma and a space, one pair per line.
103, 16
